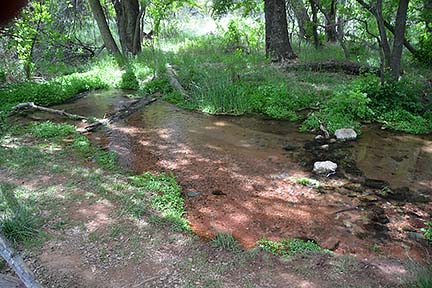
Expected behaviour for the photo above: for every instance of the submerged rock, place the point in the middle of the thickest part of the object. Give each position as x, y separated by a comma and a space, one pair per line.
346, 134
324, 167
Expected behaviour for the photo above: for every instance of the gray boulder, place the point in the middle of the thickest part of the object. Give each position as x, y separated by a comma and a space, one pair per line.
346, 134
325, 167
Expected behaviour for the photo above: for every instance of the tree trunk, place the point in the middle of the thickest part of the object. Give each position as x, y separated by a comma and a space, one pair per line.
400, 25
330, 28
389, 27
314, 8
278, 46
128, 17
107, 37
383, 34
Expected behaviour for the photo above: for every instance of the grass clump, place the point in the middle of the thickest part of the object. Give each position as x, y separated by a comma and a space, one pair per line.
289, 247
422, 279
48, 129
18, 222
225, 241
166, 197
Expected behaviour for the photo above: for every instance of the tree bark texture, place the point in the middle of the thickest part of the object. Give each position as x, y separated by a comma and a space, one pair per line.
384, 44
314, 8
401, 17
128, 25
278, 46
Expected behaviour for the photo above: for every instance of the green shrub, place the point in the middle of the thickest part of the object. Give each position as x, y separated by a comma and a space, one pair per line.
129, 80
344, 110
289, 247
160, 85
391, 95
49, 129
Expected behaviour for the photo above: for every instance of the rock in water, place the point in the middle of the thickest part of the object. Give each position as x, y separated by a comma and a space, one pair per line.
324, 167
346, 134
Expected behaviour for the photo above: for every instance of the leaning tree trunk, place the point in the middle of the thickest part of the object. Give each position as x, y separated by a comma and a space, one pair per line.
398, 41
278, 45
107, 37
128, 17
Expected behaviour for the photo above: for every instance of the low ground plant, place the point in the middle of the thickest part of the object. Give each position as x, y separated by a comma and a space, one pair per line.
289, 247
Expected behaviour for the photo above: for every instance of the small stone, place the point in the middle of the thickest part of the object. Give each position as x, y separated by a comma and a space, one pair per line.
319, 137
193, 194
289, 147
324, 167
332, 140
347, 223
346, 134
368, 198
324, 147
331, 244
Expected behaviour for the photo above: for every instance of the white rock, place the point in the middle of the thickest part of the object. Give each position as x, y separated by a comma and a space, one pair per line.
346, 134
324, 167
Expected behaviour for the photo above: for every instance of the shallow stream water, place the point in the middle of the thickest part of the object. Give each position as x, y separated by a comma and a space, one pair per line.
236, 174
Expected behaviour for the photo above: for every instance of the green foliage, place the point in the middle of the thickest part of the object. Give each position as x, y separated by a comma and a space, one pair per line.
166, 197
160, 85
289, 247
226, 242
129, 80
344, 110
52, 92
424, 54
428, 231
391, 95
306, 182
402, 120
49, 129
107, 159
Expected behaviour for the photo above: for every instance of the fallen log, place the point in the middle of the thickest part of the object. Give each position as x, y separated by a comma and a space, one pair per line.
175, 83
117, 115
28, 106
95, 123
351, 68
17, 264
